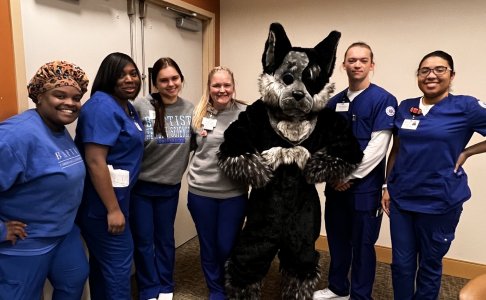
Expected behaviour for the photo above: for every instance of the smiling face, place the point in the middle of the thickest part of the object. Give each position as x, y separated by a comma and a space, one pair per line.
221, 89
127, 84
169, 84
59, 106
435, 87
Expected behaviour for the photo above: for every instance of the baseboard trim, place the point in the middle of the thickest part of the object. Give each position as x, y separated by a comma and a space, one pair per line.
453, 267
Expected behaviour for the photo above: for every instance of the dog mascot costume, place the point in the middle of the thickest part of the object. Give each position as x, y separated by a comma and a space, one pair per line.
282, 145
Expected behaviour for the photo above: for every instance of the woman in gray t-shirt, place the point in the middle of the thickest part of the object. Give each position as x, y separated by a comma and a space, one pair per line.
167, 125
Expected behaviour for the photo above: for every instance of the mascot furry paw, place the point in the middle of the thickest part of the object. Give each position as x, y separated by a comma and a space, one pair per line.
282, 145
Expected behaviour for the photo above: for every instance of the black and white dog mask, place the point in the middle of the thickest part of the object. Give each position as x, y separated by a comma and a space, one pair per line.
294, 84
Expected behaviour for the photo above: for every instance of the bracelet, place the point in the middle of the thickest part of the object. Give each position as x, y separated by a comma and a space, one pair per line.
384, 186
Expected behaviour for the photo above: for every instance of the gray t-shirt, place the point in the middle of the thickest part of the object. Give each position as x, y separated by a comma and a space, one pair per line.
204, 177
165, 159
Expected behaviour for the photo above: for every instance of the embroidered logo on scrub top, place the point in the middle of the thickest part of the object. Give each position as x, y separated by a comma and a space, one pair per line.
68, 157
390, 111
482, 104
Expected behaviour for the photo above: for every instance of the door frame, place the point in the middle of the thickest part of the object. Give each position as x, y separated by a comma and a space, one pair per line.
14, 60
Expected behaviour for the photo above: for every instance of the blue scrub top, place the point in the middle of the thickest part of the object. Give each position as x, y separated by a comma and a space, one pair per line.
372, 110
103, 121
41, 182
423, 178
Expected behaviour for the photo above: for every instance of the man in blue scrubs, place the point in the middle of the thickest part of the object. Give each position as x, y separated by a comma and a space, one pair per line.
353, 210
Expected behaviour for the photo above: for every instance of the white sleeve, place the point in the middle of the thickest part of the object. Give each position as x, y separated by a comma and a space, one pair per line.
374, 152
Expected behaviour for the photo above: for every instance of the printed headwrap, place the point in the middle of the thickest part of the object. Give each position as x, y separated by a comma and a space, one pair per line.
56, 74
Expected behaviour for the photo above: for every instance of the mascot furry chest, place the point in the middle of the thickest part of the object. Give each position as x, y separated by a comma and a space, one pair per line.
282, 145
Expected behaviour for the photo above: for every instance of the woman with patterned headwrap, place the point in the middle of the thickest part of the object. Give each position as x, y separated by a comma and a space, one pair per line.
41, 185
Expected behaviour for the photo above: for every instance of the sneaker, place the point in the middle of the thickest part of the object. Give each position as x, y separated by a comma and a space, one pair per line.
327, 294
165, 296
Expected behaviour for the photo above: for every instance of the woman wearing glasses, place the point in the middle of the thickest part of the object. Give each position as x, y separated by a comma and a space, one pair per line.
427, 185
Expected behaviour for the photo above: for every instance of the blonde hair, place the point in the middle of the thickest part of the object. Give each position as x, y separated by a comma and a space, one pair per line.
201, 108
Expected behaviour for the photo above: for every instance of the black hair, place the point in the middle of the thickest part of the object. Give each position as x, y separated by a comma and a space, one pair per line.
441, 54
161, 63
109, 72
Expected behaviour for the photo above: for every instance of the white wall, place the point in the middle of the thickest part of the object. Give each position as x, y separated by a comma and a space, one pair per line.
400, 33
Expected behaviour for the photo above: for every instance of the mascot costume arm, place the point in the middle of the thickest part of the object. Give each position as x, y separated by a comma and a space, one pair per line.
341, 154
239, 157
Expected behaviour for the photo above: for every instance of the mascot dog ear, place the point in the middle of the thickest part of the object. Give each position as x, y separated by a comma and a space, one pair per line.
326, 51
278, 45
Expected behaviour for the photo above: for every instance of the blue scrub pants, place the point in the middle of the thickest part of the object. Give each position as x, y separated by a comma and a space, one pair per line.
110, 259
66, 267
152, 220
218, 223
421, 237
351, 236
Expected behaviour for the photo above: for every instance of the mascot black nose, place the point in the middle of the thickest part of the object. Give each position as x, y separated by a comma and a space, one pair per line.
298, 95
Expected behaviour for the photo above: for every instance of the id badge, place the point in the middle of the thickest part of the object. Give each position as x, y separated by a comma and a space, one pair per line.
410, 124
209, 123
152, 114
342, 106
119, 177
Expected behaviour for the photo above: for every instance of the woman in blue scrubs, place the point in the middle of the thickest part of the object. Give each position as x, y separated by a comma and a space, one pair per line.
41, 184
427, 185
110, 137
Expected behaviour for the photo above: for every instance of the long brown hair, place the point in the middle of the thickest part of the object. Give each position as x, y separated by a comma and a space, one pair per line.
161, 63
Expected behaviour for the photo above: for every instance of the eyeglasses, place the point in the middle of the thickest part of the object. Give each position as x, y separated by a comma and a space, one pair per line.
439, 71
